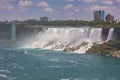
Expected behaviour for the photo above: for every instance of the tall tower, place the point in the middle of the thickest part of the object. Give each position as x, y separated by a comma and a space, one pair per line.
13, 31
99, 15
96, 16
102, 15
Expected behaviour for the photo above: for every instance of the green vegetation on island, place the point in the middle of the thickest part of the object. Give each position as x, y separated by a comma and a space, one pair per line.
71, 23
110, 48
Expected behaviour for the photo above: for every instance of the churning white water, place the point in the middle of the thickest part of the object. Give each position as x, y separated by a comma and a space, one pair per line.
77, 40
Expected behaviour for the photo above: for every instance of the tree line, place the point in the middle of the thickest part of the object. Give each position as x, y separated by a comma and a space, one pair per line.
66, 23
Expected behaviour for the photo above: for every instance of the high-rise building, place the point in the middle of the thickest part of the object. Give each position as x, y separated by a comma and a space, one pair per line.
99, 15
96, 16
45, 18
109, 18
102, 15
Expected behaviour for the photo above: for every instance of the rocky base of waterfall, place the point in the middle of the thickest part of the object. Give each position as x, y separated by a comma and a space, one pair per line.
80, 47
110, 48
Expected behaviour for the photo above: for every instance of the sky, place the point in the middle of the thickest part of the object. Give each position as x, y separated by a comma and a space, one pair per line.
56, 9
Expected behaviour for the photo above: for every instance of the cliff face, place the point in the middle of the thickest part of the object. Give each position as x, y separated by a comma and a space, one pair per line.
116, 34
105, 32
111, 48
4, 32
21, 31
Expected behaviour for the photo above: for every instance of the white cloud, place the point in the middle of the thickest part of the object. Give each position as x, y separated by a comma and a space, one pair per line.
107, 2
25, 3
107, 9
89, 1
70, 0
69, 14
48, 9
6, 5
67, 7
117, 1
43, 4
22, 9
6, 1
97, 7
77, 10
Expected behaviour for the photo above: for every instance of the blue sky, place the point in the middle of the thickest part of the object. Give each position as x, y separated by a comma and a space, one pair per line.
56, 9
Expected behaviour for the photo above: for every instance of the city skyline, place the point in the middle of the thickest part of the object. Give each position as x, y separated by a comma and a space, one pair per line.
99, 15
56, 9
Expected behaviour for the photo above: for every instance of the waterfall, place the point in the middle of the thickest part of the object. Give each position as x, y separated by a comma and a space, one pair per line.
96, 34
77, 40
110, 34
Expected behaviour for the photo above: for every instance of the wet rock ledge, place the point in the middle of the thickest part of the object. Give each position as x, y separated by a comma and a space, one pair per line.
111, 48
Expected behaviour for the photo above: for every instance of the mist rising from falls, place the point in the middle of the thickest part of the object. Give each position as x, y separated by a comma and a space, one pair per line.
77, 40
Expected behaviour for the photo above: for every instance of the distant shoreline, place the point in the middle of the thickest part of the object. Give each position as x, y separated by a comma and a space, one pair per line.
64, 23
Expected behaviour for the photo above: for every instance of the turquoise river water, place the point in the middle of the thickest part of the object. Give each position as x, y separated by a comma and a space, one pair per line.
38, 64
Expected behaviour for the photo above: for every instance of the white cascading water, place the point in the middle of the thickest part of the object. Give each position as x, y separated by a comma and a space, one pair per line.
77, 40
110, 34
96, 34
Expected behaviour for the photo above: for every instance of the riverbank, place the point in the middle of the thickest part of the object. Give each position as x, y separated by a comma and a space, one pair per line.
110, 48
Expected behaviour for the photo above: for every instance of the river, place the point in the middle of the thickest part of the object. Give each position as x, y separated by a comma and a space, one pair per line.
38, 64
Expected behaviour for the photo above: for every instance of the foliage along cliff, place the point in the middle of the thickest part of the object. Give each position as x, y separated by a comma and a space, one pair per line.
110, 48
